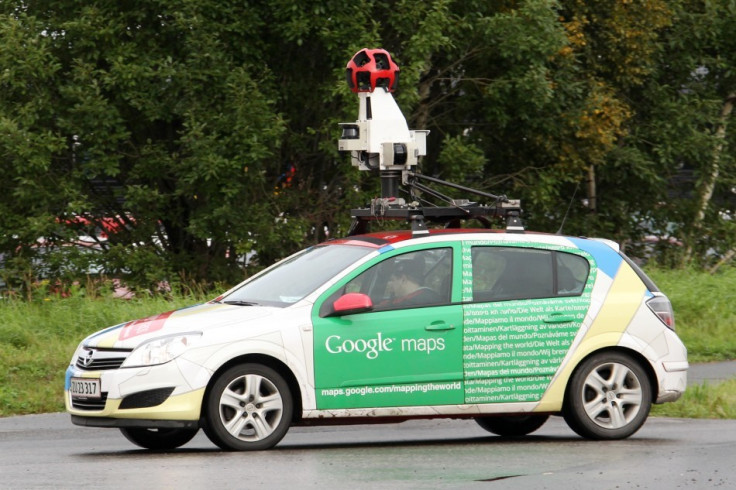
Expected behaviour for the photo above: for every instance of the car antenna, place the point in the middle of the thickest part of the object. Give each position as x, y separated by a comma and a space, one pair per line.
380, 141
572, 199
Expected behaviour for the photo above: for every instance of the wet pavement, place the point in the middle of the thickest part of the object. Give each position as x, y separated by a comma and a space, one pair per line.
48, 452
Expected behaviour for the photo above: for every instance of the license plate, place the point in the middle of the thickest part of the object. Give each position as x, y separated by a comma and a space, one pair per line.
85, 388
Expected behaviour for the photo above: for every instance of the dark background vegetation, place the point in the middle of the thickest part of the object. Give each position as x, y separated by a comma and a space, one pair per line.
181, 136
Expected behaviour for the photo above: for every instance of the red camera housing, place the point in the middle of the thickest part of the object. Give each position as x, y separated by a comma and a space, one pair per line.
370, 69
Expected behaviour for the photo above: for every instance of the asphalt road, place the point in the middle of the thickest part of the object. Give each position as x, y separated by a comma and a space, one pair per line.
711, 372
47, 451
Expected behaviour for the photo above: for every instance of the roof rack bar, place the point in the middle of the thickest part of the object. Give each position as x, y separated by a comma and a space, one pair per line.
500, 198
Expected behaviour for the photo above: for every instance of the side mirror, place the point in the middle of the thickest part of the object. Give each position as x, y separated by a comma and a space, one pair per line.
350, 303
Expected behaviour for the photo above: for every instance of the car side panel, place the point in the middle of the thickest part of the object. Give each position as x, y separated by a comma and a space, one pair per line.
618, 308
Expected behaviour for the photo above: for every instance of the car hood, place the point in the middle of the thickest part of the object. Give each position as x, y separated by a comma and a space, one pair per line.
198, 318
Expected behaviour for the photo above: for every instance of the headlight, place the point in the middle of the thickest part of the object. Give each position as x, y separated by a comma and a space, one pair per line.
161, 350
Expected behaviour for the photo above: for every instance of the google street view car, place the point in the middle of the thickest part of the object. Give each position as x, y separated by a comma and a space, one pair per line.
503, 326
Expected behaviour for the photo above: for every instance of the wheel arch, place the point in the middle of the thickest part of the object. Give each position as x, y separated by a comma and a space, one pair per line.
263, 360
636, 356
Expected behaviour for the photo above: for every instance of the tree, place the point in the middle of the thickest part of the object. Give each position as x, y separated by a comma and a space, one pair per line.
158, 115
614, 48
704, 69
678, 145
198, 132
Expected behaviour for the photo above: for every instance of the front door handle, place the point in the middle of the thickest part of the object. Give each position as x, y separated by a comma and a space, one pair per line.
437, 326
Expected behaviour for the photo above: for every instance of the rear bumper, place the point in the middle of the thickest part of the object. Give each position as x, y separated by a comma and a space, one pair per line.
673, 382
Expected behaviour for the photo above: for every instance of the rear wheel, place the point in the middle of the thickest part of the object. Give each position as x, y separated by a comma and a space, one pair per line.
249, 408
158, 439
609, 397
512, 425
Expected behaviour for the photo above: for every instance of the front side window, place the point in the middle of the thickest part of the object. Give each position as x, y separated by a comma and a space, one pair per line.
413, 279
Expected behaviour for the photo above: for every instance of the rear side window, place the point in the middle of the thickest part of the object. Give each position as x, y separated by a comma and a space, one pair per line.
571, 274
508, 273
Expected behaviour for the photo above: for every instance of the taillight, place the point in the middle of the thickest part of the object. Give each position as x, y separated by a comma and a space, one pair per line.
662, 307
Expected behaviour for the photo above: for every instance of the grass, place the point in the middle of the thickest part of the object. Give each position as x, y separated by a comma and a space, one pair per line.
38, 338
705, 316
702, 401
705, 313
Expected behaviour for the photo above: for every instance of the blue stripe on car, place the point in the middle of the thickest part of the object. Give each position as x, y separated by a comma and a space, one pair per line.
606, 261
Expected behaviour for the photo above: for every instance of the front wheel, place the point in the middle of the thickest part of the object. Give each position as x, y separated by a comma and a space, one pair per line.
158, 439
512, 425
249, 408
609, 397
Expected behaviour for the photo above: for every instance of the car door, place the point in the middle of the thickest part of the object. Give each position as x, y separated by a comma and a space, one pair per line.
523, 307
392, 354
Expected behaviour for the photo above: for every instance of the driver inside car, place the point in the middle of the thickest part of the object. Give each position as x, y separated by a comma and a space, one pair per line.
406, 288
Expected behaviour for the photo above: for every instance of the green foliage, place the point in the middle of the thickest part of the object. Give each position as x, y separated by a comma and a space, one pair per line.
207, 130
460, 160
151, 113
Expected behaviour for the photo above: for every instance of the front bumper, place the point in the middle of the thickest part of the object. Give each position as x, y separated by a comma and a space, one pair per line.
162, 393
138, 423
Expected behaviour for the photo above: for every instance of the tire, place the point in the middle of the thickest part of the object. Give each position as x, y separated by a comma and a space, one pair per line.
158, 439
512, 425
248, 408
609, 397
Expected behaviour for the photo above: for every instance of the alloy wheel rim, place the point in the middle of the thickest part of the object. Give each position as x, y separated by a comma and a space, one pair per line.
612, 395
251, 407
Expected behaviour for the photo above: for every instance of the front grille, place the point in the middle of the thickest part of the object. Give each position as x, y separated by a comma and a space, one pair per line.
100, 359
101, 365
90, 403
144, 399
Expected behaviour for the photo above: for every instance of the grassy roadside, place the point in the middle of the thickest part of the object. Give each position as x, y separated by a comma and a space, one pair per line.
705, 316
702, 401
37, 339
705, 313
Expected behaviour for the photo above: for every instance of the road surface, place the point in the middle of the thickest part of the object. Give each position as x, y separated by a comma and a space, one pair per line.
47, 451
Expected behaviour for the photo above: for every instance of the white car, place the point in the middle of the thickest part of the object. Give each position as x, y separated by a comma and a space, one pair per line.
501, 327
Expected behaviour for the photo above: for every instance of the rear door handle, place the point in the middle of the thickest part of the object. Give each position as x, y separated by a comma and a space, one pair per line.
559, 318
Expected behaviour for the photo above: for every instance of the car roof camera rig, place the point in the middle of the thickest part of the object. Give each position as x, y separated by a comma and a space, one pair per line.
380, 141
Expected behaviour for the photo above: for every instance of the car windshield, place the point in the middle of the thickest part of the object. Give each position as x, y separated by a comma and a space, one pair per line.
296, 277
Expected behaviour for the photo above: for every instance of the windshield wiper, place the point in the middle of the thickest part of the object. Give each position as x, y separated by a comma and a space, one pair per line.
240, 303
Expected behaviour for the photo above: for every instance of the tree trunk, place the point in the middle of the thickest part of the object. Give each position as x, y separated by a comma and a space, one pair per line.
422, 112
724, 260
710, 179
592, 204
